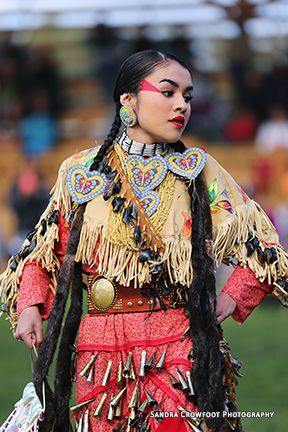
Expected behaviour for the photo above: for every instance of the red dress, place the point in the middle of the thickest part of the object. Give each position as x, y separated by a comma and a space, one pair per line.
113, 336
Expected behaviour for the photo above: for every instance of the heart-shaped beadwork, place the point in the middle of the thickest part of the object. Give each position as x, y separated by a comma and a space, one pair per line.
83, 184
188, 164
145, 175
149, 202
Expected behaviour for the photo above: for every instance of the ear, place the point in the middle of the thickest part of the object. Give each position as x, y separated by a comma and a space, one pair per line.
128, 99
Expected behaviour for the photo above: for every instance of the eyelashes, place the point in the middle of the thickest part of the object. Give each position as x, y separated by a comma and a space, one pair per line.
170, 93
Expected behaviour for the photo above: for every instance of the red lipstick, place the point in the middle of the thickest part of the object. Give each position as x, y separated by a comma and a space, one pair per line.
178, 121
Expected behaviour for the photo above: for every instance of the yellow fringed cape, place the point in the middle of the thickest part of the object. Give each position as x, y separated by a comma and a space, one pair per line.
236, 219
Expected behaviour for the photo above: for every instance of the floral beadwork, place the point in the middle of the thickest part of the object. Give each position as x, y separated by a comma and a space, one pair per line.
218, 200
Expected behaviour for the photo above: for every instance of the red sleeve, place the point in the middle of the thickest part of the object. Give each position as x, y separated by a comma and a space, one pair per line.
247, 291
35, 280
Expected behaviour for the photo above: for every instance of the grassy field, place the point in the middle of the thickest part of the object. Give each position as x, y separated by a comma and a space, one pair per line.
261, 343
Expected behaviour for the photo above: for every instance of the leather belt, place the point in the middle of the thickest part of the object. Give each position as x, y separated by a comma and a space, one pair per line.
105, 297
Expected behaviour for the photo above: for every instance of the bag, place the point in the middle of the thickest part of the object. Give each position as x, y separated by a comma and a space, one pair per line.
28, 412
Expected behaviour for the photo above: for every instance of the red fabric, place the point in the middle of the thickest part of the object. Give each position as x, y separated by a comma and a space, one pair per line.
246, 290
35, 280
124, 333
35, 290
172, 425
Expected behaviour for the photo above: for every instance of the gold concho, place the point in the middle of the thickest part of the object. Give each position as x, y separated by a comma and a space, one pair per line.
103, 293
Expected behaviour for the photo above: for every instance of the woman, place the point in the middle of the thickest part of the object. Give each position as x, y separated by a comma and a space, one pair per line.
132, 221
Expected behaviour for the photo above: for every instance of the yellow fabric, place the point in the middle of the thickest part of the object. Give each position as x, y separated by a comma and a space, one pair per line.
235, 219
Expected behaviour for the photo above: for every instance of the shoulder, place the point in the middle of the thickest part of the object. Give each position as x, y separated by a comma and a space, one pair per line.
83, 157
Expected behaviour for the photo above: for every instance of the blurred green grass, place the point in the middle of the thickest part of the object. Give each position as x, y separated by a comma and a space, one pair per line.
261, 343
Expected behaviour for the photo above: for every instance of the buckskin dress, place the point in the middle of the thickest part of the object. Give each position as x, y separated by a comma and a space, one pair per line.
241, 231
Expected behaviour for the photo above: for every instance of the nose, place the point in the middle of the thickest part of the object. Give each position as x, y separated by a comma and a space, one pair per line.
180, 104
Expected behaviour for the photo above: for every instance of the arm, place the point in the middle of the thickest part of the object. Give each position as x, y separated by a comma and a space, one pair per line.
35, 295
242, 232
240, 295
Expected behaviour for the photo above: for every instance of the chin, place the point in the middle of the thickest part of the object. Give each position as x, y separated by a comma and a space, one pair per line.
172, 138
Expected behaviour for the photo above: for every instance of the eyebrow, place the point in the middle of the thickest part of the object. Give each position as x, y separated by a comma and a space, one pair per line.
174, 84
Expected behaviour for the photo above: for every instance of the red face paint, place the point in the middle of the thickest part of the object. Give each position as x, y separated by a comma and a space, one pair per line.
146, 86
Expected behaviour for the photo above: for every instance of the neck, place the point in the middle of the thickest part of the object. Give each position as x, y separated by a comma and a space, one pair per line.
132, 146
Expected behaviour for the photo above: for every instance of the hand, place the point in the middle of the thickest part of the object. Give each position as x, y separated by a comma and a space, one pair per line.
225, 306
29, 327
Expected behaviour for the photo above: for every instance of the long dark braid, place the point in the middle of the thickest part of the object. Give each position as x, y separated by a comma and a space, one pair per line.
63, 383
207, 367
47, 349
108, 141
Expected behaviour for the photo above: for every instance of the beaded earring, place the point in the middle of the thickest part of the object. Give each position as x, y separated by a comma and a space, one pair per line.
128, 116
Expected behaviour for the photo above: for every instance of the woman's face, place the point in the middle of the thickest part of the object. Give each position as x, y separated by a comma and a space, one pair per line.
162, 105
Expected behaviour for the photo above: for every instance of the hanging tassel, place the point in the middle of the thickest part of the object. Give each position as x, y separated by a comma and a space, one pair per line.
190, 385
90, 377
86, 370
161, 361
86, 421
151, 401
77, 407
127, 367
114, 402
186, 332
175, 384
149, 364
118, 409
120, 372
106, 377
195, 421
132, 375
142, 408
184, 385
100, 406
193, 426
142, 363
136, 420
135, 397
80, 424
110, 413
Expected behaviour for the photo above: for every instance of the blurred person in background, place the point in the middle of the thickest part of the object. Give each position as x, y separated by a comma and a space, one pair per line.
38, 127
28, 199
272, 134
142, 220
11, 86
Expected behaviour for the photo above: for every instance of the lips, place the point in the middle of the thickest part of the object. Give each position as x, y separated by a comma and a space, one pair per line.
178, 121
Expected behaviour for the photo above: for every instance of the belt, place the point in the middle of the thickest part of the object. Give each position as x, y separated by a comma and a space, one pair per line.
105, 297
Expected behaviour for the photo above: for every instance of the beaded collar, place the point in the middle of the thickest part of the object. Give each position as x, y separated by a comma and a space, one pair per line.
136, 148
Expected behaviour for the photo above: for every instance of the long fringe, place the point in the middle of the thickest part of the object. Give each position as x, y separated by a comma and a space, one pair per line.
43, 253
231, 236
116, 262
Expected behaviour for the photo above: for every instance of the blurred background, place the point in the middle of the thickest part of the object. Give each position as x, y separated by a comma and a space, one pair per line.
58, 62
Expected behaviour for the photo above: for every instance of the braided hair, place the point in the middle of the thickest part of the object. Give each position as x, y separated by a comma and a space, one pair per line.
207, 365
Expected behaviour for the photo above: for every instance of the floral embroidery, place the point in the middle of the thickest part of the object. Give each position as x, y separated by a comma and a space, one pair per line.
217, 202
187, 226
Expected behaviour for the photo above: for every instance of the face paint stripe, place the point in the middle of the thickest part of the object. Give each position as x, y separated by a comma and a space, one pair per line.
146, 86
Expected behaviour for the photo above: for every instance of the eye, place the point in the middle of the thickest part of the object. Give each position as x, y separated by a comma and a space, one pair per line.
167, 93
188, 98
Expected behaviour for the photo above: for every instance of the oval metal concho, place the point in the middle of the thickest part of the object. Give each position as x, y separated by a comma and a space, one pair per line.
103, 294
